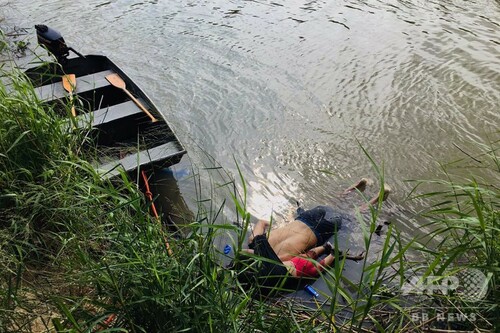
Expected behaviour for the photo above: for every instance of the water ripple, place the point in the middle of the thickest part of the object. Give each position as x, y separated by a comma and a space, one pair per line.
292, 89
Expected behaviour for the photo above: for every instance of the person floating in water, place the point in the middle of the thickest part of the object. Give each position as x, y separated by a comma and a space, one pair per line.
285, 249
311, 228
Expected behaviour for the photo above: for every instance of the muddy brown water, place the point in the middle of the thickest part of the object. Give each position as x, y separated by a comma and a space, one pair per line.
291, 90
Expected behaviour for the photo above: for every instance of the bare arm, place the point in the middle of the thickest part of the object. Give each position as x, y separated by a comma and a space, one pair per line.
259, 229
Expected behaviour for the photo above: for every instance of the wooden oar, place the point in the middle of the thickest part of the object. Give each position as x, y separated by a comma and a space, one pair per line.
69, 84
118, 82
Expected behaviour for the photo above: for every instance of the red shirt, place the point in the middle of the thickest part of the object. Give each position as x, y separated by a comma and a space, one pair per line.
304, 266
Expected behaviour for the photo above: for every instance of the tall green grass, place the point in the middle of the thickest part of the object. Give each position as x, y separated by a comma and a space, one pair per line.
463, 220
77, 249
52, 202
151, 291
462, 225
371, 303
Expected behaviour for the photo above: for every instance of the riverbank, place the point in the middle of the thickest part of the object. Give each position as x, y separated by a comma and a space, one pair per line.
82, 254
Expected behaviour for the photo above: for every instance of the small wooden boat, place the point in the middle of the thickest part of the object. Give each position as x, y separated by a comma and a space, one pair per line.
127, 129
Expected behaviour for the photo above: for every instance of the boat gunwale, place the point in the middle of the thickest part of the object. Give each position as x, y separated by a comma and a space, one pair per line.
86, 65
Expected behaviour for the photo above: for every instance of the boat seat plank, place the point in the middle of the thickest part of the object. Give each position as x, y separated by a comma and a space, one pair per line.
118, 125
152, 156
109, 114
83, 83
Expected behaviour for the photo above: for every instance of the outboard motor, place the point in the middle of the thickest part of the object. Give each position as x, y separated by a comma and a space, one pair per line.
53, 42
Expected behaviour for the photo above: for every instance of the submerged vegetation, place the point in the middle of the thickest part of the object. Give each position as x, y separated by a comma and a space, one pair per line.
83, 254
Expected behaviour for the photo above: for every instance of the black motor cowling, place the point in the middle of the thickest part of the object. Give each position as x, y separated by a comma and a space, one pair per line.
52, 41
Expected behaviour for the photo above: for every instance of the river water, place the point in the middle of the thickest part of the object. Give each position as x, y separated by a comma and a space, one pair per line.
292, 90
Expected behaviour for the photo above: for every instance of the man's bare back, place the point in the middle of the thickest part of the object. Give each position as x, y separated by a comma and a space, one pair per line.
294, 238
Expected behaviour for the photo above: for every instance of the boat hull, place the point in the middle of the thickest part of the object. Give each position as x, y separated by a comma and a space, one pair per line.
125, 138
